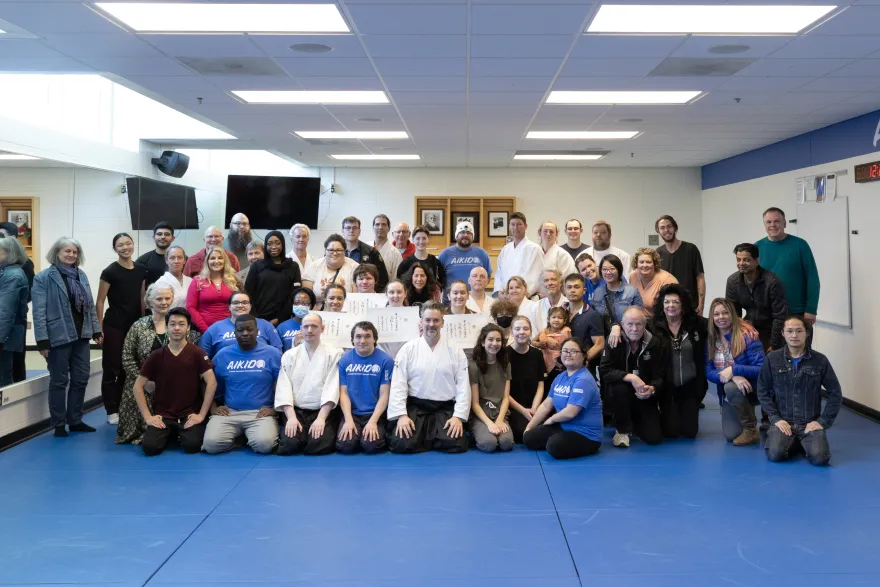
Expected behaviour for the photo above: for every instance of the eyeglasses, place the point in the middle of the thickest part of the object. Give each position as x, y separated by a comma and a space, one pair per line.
241, 223
240, 304
335, 251
571, 353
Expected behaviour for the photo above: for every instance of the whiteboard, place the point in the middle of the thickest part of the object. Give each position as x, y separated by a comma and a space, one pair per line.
825, 226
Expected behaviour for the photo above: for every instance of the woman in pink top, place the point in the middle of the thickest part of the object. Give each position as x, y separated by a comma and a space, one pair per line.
648, 277
208, 296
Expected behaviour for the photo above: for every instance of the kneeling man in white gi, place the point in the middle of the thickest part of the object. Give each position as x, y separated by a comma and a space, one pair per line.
430, 391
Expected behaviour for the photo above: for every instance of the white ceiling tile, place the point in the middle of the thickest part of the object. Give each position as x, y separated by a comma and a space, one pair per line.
514, 46
763, 84
339, 83
117, 44
427, 66
703, 83
816, 99
39, 18
279, 45
624, 46
429, 98
510, 84
871, 99
27, 48
863, 68
410, 19
635, 67
745, 98
253, 82
819, 46
540, 19
701, 46
793, 67
165, 83
844, 84
426, 84
532, 98
342, 66
42, 65
137, 65
489, 67
856, 20
416, 45
353, 112
596, 83
429, 113
204, 45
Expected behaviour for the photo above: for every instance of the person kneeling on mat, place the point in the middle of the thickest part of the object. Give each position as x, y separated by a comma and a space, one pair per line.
246, 372
178, 407
364, 384
430, 391
307, 392
635, 371
790, 389
575, 430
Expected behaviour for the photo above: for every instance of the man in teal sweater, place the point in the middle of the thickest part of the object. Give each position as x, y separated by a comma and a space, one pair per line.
791, 259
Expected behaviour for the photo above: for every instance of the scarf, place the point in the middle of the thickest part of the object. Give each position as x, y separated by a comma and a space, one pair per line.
80, 295
723, 359
270, 264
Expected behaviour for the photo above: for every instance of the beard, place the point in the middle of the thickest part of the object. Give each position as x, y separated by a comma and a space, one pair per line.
238, 243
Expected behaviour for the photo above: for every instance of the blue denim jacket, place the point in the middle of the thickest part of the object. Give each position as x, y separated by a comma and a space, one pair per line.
13, 308
623, 298
796, 396
53, 318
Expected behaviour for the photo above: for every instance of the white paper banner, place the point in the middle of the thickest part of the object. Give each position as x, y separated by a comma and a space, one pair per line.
337, 328
463, 329
395, 324
359, 303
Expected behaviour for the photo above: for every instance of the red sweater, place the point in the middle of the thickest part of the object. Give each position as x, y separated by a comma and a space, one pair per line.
206, 304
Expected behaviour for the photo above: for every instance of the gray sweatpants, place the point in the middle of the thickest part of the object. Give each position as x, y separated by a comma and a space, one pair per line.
485, 440
221, 432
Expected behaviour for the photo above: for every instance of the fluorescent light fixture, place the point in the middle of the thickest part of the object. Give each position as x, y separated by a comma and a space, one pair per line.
13, 157
706, 20
179, 17
582, 134
376, 157
558, 156
311, 97
356, 135
2, 32
622, 97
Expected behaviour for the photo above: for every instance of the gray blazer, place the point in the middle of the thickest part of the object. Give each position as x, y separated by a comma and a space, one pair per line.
14, 294
53, 318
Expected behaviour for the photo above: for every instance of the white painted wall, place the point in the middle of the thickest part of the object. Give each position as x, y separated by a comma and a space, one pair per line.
732, 214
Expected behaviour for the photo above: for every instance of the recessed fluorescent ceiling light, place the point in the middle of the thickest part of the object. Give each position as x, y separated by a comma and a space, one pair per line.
364, 136
556, 157
179, 17
621, 97
376, 157
706, 20
11, 157
581, 134
311, 97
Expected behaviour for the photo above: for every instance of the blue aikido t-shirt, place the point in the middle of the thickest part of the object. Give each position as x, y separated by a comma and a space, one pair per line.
221, 334
247, 378
364, 376
458, 263
581, 390
287, 332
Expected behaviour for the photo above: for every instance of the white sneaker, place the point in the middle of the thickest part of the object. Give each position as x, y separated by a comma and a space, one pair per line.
113, 419
620, 440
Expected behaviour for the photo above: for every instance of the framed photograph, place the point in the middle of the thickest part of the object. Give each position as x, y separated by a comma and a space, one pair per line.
22, 219
472, 217
433, 220
498, 224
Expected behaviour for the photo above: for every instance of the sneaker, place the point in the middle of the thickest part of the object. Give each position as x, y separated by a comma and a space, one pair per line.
748, 436
620, 440
113, 419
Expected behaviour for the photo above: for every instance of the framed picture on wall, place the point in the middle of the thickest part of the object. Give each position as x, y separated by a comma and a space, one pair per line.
498, 224
433, 220
21, 219
472, 217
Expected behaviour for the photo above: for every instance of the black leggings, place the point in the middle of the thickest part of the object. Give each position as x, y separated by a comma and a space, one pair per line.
680, 410
559, 443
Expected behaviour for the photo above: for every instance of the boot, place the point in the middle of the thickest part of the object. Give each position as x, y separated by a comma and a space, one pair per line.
749, 423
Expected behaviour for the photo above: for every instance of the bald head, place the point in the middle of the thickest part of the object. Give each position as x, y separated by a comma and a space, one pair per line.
213, 237
478, 279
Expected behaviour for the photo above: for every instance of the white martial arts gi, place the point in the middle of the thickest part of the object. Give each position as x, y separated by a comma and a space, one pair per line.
525, 259
391, 256
559, 259
308, 383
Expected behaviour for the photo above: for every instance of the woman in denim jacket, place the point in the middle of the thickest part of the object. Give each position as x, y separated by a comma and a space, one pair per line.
612, 298
13, 305
64, 321
733, 361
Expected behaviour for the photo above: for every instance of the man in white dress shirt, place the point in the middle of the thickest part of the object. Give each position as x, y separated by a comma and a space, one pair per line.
299, 246
386, 248
430, 396
307, 392
602, 245
555, 257
520, 257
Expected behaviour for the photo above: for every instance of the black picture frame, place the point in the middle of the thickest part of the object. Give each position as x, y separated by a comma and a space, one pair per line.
498, 221
472, 217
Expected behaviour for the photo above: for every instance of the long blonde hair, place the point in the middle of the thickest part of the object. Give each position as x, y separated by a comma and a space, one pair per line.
739, 329
228, 274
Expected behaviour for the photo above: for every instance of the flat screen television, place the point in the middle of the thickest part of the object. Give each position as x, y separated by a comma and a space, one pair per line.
273, 202
151, 201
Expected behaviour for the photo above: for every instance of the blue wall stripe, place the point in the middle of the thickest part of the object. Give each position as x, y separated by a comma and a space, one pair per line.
850, 138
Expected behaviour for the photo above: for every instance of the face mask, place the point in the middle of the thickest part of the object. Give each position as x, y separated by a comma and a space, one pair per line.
300, 311
504, 321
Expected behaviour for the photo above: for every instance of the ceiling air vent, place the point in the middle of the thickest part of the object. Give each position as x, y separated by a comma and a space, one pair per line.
238, 66
699, 67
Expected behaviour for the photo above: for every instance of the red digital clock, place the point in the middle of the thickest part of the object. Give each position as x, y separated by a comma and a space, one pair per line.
868, 172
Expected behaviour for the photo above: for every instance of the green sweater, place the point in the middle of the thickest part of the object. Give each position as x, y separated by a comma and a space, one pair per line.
792, 261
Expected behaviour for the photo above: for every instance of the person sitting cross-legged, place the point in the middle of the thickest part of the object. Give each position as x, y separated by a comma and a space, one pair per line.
790, 389
364, 384
179, 405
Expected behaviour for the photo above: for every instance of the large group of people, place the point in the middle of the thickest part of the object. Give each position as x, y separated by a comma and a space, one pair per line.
223, 347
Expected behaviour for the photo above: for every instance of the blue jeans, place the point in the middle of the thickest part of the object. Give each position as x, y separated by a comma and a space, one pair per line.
68, 363
815, 445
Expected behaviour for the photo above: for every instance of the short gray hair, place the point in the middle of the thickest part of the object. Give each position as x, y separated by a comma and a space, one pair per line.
52, 255
154, 289
15, 254
255, 245
302, 227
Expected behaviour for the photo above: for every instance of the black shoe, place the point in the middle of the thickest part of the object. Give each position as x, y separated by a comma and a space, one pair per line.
61, 431
81, 427
702, 406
